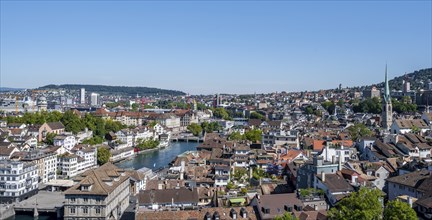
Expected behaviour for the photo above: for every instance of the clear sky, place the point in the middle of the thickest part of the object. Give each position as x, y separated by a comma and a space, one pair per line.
213, 46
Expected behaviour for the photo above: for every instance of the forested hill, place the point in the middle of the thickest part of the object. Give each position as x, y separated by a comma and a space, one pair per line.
418, 80
120, 90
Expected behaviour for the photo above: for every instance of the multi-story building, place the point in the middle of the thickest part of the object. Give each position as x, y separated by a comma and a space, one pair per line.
51, 127
415, 184
101, 193
68, 165
94, 99
281, 137
306, 175
82, 96
18, 180
46, 162
67, 141
87, 157
126, 137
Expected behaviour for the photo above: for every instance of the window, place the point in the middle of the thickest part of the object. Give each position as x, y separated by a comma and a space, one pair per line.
85, 199
85, 210
72, 210
98, 211
72, 199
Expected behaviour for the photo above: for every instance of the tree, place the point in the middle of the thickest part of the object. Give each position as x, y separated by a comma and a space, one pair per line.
221, 113
239, 173
309, 110
329, 106
259, 173
236, 136
369, 105
72, 122
147, 144
253, 135
103, 155
365, 204
359, 130
230, 185
396, 210
286, 216
195, 129
210, 127
49, 139
135, 107
256, 115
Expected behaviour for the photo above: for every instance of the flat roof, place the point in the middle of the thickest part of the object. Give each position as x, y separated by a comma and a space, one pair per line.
62, 183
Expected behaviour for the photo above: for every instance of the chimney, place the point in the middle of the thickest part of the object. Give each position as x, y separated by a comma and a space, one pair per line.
323, 177
410, 202
333, 159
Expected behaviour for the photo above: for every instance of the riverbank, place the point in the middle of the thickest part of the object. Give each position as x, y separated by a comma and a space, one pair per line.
157, 158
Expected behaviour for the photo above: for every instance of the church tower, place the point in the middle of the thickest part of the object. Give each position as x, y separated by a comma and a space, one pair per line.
387, 112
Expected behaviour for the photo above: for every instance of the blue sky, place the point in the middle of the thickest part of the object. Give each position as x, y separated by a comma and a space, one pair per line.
213, 46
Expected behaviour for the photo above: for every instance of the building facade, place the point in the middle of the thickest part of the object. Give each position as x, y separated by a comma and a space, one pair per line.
18, 180
101, 193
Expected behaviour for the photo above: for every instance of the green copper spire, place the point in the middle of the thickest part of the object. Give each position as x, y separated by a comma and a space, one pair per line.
386, 88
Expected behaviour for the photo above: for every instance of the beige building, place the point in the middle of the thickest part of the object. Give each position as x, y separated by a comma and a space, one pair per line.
51, 127
101, 193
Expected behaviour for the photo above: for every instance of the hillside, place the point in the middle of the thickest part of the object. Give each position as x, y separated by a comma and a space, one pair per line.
119, 90
418, 80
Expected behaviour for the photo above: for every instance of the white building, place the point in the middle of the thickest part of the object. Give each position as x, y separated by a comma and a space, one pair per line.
18, 180
94, 99
336, 154
82, 96
67, 141
68, 165
403, 126
126, 137
87, 158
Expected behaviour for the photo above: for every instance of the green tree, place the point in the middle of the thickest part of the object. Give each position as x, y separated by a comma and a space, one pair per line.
49, 139
239, 173
286, 216
259, 173
195, 129
230, 186
365, 204
147, 144
221, 113
398, 210
359, 130
329, 106
135, 107
369, 105
253, 135
72, 122
93, 141
236, 136
256, 115
309, 110
210, 127
103, 155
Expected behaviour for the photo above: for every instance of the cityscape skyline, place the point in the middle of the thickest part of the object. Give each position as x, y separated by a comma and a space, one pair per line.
213, 47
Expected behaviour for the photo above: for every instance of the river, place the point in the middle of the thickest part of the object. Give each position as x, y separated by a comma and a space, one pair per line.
152, 159
158, 158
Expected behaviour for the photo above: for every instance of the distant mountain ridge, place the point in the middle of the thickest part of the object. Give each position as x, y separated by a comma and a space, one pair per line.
7, 89
121, 90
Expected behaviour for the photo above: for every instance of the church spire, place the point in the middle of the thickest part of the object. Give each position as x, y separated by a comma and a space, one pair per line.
387, 112
386, 88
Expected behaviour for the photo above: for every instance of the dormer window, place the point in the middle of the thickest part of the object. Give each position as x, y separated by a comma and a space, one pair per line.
86, 187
